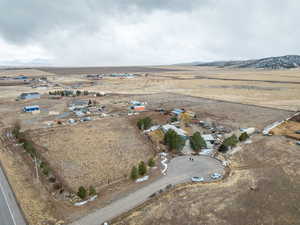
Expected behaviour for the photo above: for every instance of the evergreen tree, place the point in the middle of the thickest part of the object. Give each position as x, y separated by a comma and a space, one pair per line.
197, 142
142, 168
82, 193
145, 123
244, 136
174, 141
151, 162
92, 191
134, 173
231, 141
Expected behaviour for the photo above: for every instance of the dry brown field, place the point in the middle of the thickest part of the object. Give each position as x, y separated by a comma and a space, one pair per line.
94, 153
288, 129
273, 88
101, 70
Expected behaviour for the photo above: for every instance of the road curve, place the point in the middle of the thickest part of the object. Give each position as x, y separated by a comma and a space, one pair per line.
10, 213
180, 170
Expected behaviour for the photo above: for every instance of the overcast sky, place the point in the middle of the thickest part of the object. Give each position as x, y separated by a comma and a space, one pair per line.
145, 32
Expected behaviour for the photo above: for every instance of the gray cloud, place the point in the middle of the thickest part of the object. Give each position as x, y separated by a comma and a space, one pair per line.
121, 32
24, 20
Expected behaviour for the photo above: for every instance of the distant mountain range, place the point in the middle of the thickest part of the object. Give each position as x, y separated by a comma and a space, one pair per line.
281, 62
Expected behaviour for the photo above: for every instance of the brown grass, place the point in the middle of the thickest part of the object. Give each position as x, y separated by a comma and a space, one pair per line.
288, 129
93, 153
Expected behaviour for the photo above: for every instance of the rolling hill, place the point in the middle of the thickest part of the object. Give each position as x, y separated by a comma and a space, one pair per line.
281, 62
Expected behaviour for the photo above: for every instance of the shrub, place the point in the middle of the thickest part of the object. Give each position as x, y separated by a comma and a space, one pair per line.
223, 148
16, 129
151, 162
145, 123
142, 168
197, 142
173, 140
173, 119
57, 186
46, 171
92, 191
82, 193
28, 146
244, 136
134, 173
42, 165
52, 179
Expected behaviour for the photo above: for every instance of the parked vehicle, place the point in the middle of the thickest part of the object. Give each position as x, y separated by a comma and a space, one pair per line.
215, 176
197, 179
297, 132
298, 143
85, 119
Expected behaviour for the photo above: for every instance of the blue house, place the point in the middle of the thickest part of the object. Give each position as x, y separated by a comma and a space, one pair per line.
32, 95
21, 77
177, 112
31, 108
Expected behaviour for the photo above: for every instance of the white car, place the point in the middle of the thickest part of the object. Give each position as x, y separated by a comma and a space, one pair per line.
197, 179
215, 176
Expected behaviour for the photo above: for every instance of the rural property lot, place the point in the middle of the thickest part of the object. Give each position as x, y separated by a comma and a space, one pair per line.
93, 153
263, 188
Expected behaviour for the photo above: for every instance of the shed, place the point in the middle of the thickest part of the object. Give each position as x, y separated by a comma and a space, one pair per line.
138, 108
177, 112
31, 108
32, 95
249, 131
209, 139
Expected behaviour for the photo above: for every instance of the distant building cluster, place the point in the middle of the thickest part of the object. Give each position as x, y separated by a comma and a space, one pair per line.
32, 95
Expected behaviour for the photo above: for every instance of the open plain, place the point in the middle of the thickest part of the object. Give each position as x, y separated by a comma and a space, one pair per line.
101, 151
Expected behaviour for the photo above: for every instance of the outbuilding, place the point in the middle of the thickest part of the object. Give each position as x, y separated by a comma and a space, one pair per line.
177, 112
32, 95
33, 108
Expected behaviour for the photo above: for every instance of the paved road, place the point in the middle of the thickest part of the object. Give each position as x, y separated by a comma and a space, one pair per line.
10, 213
180, 170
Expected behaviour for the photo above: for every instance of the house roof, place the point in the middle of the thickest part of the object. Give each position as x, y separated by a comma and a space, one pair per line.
208, 137
32, 107
177, 130
177, 111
